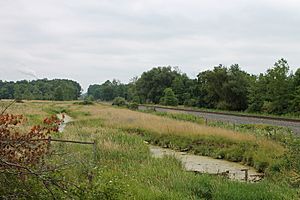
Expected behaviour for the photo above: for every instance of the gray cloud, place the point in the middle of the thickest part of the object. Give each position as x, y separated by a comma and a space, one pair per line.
28, 72
91, 41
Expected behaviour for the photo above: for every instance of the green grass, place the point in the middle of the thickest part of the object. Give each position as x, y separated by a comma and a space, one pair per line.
33, 119
177, 116
57, 109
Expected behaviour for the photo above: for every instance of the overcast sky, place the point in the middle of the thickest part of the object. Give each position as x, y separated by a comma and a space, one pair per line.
91, 41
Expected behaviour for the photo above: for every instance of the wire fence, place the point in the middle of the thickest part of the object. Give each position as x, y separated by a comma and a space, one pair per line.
50, 139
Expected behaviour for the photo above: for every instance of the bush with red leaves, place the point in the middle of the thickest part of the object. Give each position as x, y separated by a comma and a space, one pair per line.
19, 148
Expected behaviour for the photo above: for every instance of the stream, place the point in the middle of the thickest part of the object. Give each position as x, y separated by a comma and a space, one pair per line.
65, 119
196, 163
204, 164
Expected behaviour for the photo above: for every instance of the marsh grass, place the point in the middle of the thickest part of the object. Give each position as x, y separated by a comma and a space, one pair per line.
126, 170
258, 152
126, 118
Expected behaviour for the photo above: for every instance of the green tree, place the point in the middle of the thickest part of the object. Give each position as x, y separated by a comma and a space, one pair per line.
58, 94
295, 100
151, 85
272, 92
257, 94
94, 91
131, 91
210, 86
169, 98
278, 87
236, 88
181, 87
17, 92
108, 90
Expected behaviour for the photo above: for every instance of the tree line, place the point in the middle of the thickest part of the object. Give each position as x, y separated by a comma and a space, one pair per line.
277, 91
43, 89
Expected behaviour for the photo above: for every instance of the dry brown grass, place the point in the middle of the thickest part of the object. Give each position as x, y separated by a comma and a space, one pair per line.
123, 118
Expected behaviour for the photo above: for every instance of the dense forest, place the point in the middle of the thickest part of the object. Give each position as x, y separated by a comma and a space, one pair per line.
277, 91
43, 89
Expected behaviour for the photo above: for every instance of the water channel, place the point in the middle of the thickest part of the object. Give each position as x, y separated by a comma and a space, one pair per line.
204, 164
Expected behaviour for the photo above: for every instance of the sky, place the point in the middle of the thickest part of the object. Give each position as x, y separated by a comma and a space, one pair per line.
91, 41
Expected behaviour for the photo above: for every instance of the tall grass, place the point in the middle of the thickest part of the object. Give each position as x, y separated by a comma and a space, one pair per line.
126, 170
126, 118
276, 133
258, 152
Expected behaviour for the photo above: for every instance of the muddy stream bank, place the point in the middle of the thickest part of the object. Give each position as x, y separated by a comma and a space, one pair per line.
204, 164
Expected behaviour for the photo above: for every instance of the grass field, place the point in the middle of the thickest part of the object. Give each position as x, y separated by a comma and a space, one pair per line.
123, 168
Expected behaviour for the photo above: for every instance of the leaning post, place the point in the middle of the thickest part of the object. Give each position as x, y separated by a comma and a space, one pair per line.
246, 174
49, 143
95, 151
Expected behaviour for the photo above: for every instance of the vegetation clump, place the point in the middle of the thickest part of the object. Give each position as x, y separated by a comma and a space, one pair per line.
133, 106
119, 101
18, 100
86, 101
169, 98
22, 158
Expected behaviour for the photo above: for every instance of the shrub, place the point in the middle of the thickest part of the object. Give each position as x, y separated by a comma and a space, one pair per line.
190, 102
169, 98
136, 99
88, 100
267, 107
133, 106
85, 102
119, 101
18, 100
22, 167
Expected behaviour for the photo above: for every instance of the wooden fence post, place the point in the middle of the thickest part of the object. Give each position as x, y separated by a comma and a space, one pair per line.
95, 150
246, 174
49, 143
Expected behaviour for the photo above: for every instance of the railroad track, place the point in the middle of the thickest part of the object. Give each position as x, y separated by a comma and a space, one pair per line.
293, 124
